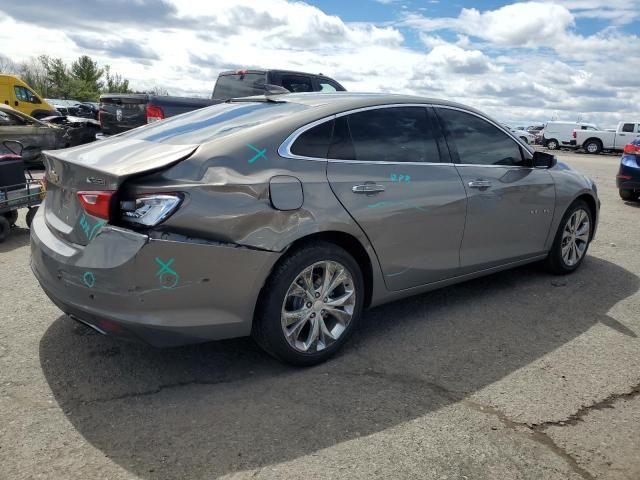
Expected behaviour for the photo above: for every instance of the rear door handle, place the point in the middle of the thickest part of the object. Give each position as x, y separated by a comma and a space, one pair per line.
368, 188
480, 184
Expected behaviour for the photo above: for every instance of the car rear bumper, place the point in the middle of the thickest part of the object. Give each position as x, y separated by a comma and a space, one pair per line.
628, 176
162, 292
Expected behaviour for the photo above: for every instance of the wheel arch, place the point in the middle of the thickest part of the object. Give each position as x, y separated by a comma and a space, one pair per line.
593, 208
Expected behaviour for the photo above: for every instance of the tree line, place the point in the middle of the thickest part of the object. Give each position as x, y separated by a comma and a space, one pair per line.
82, 80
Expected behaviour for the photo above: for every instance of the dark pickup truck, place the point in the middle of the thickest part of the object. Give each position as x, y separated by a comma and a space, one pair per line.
121, 112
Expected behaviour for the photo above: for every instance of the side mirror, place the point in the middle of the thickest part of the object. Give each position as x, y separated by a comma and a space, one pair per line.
544, 160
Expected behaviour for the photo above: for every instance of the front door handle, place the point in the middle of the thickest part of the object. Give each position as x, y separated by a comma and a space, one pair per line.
480, 184
368, 188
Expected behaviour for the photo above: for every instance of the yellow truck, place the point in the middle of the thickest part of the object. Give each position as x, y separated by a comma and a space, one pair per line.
17, 94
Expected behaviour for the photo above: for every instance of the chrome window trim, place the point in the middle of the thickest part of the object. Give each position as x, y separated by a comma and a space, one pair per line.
284, 150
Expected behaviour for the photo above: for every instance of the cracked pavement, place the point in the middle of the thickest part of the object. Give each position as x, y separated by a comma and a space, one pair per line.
520, 375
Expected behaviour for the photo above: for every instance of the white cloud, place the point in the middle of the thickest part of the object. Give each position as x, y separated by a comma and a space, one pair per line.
521, 61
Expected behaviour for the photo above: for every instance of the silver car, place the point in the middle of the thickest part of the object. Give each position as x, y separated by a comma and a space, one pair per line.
284, 217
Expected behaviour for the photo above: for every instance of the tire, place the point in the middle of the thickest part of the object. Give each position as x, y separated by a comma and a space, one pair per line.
12, 217
30, 214
626, 194
5, 228
558, 263
552, 144
276, 299
592, 146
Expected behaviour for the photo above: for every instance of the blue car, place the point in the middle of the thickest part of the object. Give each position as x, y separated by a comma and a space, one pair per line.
628, 178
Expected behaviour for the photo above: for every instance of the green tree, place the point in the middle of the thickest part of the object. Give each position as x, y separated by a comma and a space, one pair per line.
87, 72
115, 83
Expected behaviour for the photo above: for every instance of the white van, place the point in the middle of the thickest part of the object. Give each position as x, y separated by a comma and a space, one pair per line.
560, 134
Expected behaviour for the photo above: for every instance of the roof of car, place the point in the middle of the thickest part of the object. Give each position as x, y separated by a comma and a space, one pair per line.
351, 100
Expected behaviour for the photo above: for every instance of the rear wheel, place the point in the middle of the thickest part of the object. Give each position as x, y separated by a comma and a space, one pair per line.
593, 146
552, 144
310, 304
5, 227
572, 239
12, 217
626, 194
30, 214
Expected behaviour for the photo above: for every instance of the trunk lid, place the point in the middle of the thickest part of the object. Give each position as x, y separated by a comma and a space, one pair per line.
101, 166
119, 113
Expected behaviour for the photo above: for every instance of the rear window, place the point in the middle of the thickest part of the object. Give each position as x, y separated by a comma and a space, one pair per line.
206, 124
239, 85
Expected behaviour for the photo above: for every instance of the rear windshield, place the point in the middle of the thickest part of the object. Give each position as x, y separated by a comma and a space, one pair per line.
239, 85
206, 124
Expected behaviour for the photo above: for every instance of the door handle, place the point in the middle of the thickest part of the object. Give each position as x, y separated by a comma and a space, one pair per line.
368, 188
480, 184
15, 103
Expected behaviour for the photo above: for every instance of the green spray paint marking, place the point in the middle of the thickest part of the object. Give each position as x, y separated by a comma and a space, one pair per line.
167, 277
89, 279
259, 153
398, 178
89, 230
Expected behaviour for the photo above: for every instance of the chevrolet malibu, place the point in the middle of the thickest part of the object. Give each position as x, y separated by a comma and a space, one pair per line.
284, 217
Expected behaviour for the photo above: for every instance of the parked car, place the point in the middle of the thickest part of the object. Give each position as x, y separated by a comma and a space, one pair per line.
628, 178
284, 217
534, 128
595, 141
45, 134
17, 94
522, 134
560, 134
122, 112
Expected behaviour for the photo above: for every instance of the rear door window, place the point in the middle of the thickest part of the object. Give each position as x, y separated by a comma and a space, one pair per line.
239, 85
628, 127
297, 83
396, 134
477, 141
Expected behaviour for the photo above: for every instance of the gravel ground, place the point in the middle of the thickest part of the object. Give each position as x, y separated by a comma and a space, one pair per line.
519, 375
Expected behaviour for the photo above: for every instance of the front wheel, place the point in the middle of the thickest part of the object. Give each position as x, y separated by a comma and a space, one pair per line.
310, 304
552, 144
572, 239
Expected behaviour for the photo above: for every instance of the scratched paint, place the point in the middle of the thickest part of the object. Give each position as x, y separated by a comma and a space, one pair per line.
259, 153
397, 273
88, 229
167, 277
89, 279
400, 178
393, 204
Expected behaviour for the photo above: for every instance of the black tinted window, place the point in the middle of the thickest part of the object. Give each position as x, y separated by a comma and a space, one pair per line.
477, 141
239, 85
314, 142
341, 144
398, 134
297, 83
628, 127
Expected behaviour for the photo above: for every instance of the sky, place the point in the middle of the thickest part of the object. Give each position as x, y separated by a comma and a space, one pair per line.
521, 62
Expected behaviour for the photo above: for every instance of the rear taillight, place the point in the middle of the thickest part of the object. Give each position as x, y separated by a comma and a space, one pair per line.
97, 203
573, 134
154, 113
632, 148
100, 117
150, 209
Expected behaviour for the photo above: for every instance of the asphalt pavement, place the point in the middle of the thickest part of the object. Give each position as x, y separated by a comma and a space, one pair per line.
519, 375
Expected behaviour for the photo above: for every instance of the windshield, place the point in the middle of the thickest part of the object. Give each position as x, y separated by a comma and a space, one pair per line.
206, 124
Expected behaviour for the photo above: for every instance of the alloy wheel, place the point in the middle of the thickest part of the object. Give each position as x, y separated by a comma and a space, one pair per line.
575, 237
318, 306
